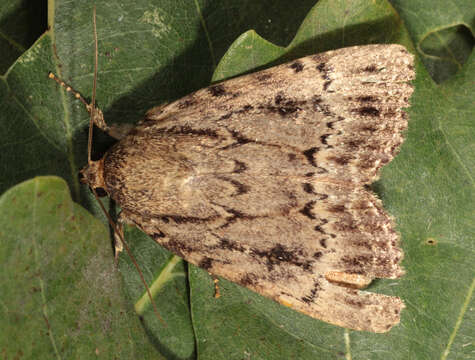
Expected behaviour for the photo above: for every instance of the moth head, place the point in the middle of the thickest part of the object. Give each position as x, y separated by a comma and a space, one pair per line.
93, 175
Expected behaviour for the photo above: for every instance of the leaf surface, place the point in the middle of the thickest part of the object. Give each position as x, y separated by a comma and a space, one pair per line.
61, 292
153, 52
443, 33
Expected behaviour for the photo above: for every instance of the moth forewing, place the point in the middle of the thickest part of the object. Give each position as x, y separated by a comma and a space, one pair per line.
260, 179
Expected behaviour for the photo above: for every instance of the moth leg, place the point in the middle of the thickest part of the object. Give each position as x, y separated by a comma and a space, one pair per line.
122, 219
116, 131
98, 119
119, 131
98, 115
118, 246
217, 293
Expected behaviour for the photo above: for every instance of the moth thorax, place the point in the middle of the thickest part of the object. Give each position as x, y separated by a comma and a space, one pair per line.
93, 175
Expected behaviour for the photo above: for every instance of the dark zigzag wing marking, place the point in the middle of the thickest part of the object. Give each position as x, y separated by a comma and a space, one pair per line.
263, 184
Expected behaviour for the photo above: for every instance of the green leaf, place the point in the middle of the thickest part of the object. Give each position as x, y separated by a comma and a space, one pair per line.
152, 52
443, 33
21, 23
61, 295
171, 331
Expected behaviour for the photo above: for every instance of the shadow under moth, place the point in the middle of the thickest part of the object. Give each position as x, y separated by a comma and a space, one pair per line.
261, 179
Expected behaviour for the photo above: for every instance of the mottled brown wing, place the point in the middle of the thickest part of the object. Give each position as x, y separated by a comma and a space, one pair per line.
260, 180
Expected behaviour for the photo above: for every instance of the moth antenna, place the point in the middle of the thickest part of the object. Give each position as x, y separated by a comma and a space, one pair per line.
94, 85
129, 252
89, 150
92, 106
100, 122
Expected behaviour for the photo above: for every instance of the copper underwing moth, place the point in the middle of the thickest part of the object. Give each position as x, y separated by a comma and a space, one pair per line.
261, 179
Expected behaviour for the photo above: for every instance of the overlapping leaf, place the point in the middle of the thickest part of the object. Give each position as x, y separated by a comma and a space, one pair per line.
156, 51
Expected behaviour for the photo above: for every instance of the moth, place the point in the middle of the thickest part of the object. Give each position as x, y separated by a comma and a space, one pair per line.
262, 180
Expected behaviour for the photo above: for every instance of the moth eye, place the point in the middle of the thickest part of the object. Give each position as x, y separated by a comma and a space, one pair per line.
81, 178
100, 192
